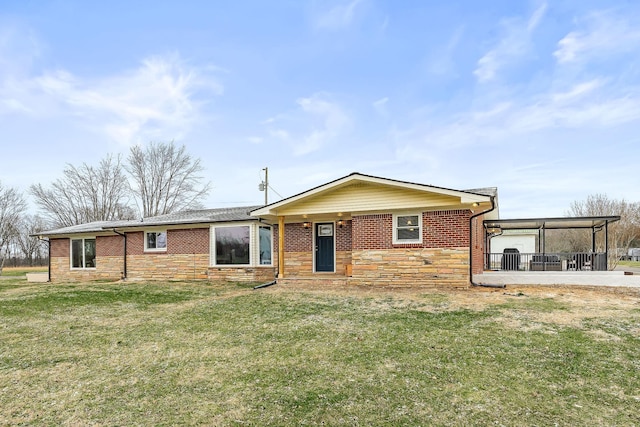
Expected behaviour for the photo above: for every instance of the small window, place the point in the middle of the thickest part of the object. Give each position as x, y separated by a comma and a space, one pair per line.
265, 245
407, 228
83, 253
155, 241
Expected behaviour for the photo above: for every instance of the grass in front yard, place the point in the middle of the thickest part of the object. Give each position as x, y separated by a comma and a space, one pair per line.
166, 354
22, 271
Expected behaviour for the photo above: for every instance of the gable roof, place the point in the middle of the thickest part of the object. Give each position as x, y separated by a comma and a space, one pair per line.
460, 197
245, 213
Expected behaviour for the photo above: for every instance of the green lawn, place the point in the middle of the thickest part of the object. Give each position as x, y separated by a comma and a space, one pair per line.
22, 271
630, 263
201, 354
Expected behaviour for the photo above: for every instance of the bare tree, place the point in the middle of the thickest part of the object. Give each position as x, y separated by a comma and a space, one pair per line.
166, 179
622, 234
86, 194
12, 204
31, 247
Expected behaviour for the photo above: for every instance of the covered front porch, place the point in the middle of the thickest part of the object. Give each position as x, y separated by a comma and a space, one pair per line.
513, 259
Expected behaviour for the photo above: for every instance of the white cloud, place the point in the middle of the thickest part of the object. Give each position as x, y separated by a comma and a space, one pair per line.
255, 139
156, 100
603, 34
338, 17
591, 105
380, 106
514, 44
317, 122
578, 90
440, 61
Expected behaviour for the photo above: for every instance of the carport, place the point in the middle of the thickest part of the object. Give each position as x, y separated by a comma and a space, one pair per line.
541, 260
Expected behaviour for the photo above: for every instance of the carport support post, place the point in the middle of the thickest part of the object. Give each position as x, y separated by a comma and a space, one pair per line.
280, 247
606, 245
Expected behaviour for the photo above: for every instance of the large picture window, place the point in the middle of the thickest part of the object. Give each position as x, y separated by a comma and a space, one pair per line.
246, 244
83, 253
232, 245
155, 241
407, 228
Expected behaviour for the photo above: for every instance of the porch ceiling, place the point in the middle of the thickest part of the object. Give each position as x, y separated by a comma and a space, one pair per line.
551, 223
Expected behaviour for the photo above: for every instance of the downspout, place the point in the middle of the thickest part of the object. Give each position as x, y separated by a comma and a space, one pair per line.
124, 267
42, 239
606, 245
471, 218
49, 260
264, 285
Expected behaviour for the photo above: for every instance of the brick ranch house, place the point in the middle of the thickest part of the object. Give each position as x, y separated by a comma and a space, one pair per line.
358, 229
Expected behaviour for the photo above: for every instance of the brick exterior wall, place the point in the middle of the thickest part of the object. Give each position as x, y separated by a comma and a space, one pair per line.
440, 229
109, 263
445, 229
372, 231
297, 238
186, 258
478, 247
188, 241
109, 246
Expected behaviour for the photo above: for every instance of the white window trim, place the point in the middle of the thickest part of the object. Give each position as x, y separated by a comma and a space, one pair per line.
84, 262
254, 244
397, 241
257, 245
147, 249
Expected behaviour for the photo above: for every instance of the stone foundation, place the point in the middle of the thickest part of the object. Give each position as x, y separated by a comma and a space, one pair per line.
242, 274
168, 267
411, 267
107, 268
300, 264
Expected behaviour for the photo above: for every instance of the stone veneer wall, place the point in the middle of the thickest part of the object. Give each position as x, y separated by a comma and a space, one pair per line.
411, 267
243, 274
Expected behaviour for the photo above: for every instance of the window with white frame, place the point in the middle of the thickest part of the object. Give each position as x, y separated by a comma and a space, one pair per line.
241, 245
233, 245
407, 228
83, 253
265, 244
155, 241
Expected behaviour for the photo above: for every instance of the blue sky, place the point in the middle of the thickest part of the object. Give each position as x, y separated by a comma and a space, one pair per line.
540, 99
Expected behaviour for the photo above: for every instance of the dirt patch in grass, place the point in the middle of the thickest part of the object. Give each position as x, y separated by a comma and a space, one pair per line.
562, 305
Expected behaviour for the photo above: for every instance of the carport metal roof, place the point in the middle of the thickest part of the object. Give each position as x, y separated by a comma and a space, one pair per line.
593, 222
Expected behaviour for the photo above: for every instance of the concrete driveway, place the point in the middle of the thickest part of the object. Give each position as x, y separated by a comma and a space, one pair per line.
624, 278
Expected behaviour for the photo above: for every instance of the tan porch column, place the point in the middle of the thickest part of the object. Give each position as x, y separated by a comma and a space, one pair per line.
280, 247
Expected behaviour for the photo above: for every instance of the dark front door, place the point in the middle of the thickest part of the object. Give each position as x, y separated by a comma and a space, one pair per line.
324, 247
